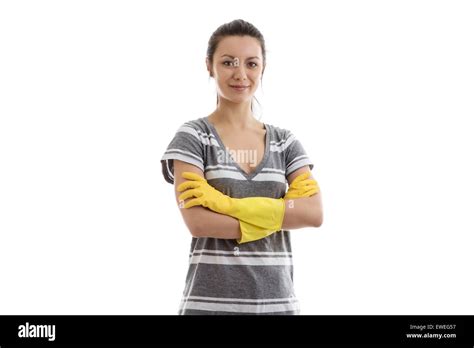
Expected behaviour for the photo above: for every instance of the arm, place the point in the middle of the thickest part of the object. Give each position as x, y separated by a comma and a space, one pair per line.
302, 212
203, 222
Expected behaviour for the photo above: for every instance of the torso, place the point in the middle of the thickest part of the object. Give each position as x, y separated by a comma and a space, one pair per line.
251, 144
225, 277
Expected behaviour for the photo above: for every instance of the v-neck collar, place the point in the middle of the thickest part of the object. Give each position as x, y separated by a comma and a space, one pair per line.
262, 163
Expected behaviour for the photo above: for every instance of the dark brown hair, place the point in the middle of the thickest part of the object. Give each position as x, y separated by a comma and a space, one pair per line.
237, 27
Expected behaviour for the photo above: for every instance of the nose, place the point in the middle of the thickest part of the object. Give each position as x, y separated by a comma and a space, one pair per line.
239, 72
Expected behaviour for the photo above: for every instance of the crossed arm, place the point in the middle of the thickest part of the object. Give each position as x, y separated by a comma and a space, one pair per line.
202, 222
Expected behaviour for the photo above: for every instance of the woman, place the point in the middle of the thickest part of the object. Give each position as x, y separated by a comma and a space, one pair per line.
230, 173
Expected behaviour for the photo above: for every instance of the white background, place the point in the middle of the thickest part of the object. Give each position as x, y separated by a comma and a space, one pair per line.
380, 93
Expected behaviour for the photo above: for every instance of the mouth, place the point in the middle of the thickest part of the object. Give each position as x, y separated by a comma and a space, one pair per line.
238, 87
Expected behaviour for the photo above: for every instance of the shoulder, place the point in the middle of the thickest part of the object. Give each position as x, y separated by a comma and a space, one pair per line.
196, 130
197, 124
280, 135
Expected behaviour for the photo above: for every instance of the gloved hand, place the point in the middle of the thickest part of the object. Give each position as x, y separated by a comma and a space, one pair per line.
258, 216
301, 186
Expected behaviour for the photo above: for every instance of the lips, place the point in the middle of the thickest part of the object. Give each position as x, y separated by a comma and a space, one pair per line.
238, 88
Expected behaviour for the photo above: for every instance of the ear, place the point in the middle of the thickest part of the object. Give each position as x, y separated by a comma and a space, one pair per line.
209, 67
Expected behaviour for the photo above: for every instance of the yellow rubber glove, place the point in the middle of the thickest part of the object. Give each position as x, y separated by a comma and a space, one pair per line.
250, 233
258, 216
301, 186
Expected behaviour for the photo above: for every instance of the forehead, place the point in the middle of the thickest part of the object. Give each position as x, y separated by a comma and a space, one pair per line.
238, 46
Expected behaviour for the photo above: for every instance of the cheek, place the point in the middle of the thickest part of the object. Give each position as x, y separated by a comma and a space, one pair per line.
221, 76
255, 75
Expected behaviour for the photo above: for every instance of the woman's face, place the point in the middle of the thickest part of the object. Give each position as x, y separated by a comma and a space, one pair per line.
248, 73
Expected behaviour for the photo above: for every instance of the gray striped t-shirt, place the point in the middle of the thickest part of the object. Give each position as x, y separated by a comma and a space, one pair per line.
225, 277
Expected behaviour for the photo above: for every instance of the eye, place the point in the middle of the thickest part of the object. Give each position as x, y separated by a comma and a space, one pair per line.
231, 63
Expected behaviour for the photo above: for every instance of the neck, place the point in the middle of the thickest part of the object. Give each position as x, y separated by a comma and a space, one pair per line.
235, 115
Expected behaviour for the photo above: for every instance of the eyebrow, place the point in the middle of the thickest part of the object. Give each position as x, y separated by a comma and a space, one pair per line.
228, 55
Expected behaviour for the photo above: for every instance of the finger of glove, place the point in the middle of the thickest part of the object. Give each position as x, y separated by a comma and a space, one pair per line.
189, 194
300, 177
192, 176
293, 193
192, 203
307, 192
188, 185
290, 195
305, 183
310, 193
311, 188
308, 187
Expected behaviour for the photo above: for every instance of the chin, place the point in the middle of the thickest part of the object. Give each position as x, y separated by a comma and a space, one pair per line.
239, 100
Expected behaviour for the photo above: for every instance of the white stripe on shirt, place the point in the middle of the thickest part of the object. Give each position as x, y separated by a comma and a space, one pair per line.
237, 260
256, 253
217, 174
242, 308
283, 146
204, 138
270, 177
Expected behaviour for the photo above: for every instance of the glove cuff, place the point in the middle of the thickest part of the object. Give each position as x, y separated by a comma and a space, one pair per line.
265, 218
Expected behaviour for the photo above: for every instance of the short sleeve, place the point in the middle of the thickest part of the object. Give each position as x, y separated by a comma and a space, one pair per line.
295, 154
186, 146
